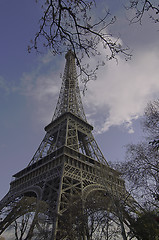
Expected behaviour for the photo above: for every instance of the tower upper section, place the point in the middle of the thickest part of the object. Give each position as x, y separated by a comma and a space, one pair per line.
69, 98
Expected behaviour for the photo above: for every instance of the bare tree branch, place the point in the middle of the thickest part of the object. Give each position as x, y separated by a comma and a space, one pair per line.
69, 24
141, 7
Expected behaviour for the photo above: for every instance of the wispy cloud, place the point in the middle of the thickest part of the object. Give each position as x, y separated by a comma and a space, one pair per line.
41, 88
4, 86
117, 97
122, 91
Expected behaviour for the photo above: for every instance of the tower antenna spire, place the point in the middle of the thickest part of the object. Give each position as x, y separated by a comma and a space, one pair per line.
69, 98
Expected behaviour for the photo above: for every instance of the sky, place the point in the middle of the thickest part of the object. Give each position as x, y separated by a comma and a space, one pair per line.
30, 83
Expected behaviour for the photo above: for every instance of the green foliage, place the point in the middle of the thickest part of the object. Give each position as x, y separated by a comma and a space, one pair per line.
146, 227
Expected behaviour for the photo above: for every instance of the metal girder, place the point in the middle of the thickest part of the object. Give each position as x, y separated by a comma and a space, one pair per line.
72, 133
68, 163
69, 97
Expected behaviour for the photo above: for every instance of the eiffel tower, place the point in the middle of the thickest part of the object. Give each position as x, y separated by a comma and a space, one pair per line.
67, 165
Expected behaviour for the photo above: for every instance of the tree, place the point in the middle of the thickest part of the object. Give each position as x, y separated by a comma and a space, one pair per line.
100, 216
24, 218
151, 123
141, 171
79, 26
146, 227
72, 24
142, 165
140, 7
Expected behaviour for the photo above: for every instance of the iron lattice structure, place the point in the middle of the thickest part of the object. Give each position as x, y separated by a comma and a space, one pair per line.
67, 164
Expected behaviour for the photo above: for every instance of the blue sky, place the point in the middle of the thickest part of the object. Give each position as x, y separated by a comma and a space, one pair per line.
29, 86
